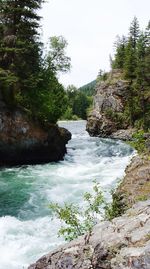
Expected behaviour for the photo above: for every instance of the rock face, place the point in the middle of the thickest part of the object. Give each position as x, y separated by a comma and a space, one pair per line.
123, 243
24, 142
109, 103
136, 183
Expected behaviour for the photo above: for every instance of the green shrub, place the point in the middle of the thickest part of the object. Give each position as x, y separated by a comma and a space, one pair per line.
77, 221
116, 208
139, 141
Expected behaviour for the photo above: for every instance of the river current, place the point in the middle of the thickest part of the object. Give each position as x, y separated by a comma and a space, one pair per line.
26, 229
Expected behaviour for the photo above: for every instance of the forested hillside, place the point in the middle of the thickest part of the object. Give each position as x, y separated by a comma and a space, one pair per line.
89, 89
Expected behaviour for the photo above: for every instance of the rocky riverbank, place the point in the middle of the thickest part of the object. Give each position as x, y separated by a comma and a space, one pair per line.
23, 141
123, 243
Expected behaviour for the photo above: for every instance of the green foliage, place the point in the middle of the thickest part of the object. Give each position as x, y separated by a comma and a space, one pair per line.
47, 102
75, 220
118, 117
77, 104
120, 46
19, 46
80, 105
26, 79
139, 141
102, 76
132, 55
67, 114
130, 61
90, 106
116, 208
88, 89
56, 57
134, 32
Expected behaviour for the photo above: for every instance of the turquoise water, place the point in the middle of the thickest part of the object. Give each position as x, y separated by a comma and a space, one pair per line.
26, 229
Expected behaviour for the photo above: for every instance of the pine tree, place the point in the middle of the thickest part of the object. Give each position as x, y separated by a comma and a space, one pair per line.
147, 35
130, 66
130, 74
130, 61
143, 76
140, 77
19, 46
147, 54
147, 78
134, 32
120, 47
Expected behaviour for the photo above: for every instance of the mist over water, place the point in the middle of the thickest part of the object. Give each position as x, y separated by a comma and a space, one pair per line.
26, 229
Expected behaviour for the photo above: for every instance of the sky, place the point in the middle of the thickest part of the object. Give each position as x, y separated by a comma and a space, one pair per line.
90, 28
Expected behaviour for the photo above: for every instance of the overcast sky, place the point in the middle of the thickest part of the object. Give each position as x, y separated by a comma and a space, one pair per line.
90, 27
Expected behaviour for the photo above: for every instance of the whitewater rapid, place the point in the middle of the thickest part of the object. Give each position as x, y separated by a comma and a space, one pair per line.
26, 229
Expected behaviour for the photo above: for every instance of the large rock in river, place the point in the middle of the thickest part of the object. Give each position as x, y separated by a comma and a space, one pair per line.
109, 103
22, 141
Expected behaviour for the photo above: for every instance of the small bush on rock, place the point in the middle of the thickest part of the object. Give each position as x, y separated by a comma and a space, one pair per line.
77, 221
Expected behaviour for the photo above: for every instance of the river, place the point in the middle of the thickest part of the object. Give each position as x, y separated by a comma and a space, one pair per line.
26, 229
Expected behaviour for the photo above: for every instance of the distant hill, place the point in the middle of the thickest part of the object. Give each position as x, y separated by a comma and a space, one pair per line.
89, 88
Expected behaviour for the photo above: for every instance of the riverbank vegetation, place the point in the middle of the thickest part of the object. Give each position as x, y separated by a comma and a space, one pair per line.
79, 220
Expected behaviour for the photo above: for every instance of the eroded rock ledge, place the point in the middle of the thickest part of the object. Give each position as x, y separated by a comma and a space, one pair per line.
123, 243
22, 141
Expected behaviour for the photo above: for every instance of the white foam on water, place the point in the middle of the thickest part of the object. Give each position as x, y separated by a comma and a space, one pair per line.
21, 242
28, 232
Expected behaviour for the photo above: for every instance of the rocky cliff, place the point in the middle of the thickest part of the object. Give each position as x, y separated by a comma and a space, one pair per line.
109, 104
22, 141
